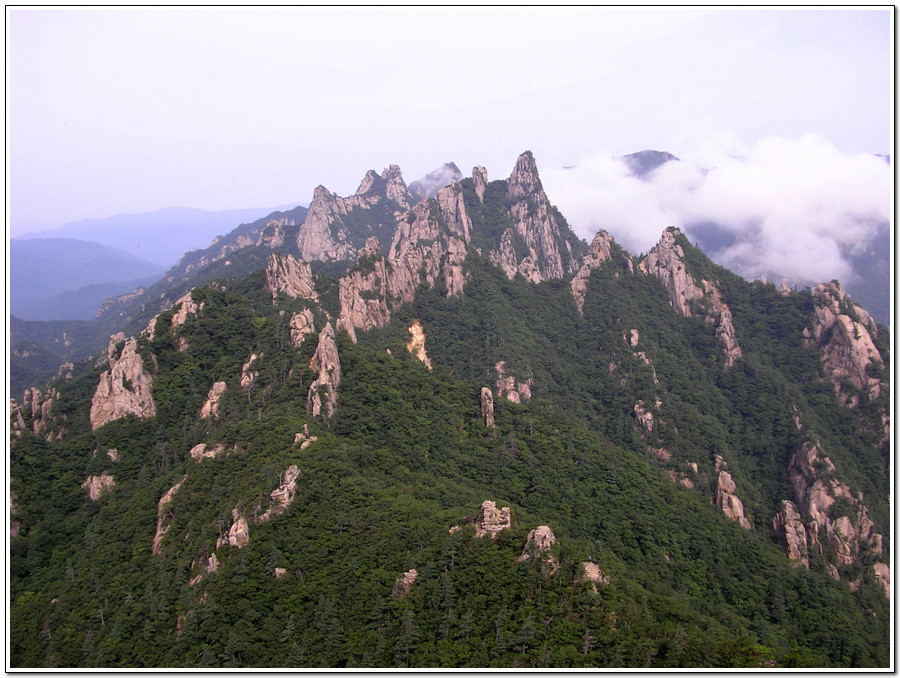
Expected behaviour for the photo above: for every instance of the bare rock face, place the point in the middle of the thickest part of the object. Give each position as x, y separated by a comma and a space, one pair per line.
280, 572
594, 574
727, 500
599, 252
416, 344
452, 207
491, 520
666, 263
282, 496
125, 389
843, 333
272, 235
239, 534
204, 451
643, 417
210, 408
538, 544
883, 575
97, 486
186, 307
507, 385
536, 224
404, 583
163, 516
480, 179
16, 421
816, 489
791, 533
248, 375
363, 290
301, 325
487, 407
41, 407
326, 363
290, 276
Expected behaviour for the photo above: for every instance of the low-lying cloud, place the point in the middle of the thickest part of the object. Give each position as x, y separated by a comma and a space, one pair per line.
794, 209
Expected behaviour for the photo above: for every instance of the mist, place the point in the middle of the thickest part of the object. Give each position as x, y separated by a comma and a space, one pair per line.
792, 209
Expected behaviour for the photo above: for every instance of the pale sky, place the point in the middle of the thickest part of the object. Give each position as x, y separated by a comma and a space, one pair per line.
133, 110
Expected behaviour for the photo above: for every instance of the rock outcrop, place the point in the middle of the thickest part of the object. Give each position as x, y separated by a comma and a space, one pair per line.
282, 496
163, 517
594, 574
666, 263
487, 407
239, 534
248, 375
843, 332
210, 409
272, 236
301, 325
883, 577
186, 307
363, 291
404, 583
416, 344
41, 408
725, 497
791, 534
538, 545
599, 252
204, 451
327, 365
97, 486
289, 276
536, 225
491, 520
16, 420
849, 532
126, 388
509, 387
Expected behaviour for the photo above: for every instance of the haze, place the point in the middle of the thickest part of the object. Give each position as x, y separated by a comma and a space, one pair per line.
132, 110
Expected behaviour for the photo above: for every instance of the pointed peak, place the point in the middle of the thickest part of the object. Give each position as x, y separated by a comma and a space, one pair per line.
367, 182
431, 183
392, 173
524, 179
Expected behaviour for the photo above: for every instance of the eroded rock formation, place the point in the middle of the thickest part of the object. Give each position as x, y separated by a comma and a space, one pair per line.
404, 583
126, 388
728, 501
97, 486
416, 344
248, 375
594, 574
210, 408
282, 496
363, 291
791, 533
491, 520
327, 365
509, 387
204, 451
599, 252
163, 517
843, 332
239, 534
538, 545
289, 276
487, 407
301, 325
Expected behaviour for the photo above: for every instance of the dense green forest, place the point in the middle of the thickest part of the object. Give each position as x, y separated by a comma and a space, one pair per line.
407, 456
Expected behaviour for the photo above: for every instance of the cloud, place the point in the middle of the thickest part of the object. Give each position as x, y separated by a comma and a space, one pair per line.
791, 208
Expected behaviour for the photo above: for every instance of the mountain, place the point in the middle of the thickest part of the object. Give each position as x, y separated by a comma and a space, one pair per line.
161, 236
642, 163
427, 186
65, 279
475, 441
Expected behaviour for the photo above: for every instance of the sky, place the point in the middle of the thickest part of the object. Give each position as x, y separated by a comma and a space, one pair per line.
133, 110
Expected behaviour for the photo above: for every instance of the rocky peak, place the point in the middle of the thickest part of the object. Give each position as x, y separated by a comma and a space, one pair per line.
290, 276
480, 179
491, 520
427, 186
126, 388
843, 332
524, 180
599, 252
395, 188
315, 241
326, 363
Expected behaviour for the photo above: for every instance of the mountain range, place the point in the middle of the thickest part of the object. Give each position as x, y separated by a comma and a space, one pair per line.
396, 430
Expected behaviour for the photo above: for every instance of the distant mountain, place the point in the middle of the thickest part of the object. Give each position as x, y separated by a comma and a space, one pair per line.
427, 186
83, 272
643, 163
161, 236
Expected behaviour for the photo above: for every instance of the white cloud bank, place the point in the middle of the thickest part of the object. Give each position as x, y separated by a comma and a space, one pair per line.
795, 207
